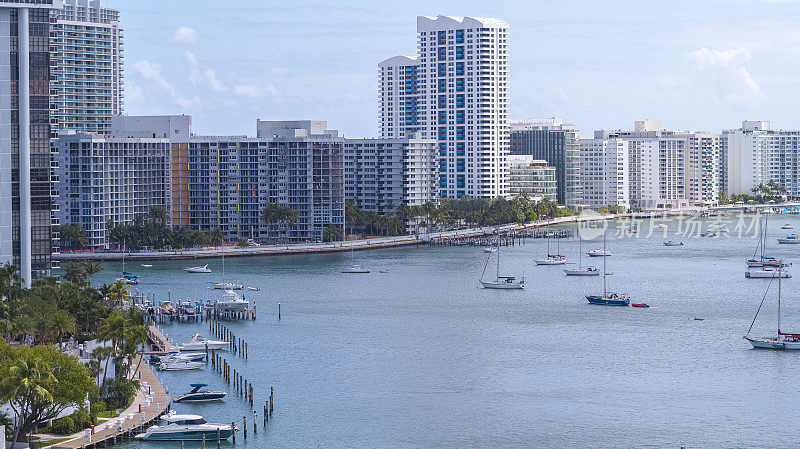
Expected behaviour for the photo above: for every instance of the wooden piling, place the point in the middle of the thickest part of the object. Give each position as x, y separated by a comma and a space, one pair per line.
244, 420
279, 311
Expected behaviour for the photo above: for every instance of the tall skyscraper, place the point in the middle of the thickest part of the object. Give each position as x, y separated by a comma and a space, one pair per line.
25, 225
556, 142
86, 87
454, 91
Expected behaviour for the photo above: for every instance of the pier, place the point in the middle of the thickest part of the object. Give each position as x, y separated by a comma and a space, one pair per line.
150, 403
159, 342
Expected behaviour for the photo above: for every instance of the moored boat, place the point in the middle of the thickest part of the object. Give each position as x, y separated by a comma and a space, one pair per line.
791, 239
787, 226
177, 364
202, 269
200, 343
186, 428
767, 272
608, 298
672, 243
782, 340
581, 270
198, 394
226, 286
501, 282
598, 253
232, 302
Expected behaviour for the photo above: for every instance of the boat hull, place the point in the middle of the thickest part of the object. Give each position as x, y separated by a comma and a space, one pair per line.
598, 255
201, 346
578, 272
355, 270
201, 397
772, 343
502, 285
550, 261
759, 274
607, 301
186, 435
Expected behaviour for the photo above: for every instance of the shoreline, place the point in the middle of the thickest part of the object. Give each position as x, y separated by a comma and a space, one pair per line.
323, 248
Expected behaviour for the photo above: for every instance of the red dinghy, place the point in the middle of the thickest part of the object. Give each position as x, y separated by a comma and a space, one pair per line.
642, 305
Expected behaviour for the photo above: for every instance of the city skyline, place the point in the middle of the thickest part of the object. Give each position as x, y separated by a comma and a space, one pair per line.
600, 68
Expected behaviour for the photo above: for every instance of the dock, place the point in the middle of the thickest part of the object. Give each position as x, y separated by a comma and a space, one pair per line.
159, 342
150, 403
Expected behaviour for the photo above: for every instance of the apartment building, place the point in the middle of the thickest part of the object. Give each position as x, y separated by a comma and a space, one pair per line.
381, 174
454, 91
531, 177
604, 172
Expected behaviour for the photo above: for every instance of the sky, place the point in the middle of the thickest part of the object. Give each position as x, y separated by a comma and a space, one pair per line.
600, 64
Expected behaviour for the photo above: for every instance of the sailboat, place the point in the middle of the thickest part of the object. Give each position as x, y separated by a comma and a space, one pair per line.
762, 260
354, 268
581, 271
552, 259
501, 282
128, 278
223, 285
782, 340
607, 298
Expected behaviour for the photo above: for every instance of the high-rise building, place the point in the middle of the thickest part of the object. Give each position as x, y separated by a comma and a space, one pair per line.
25, 221
756, 154
604, 172
381, 174
106, 179
87, 72
556, 142
457, 94
532, 178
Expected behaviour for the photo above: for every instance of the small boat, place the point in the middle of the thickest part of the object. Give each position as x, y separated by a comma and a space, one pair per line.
188, 307
128, 278
167, 308
501, 282
179, 365
355, 269
232, 302
488, 250
552, 259
199, 395
607, 298
147, 265
581, 270
226, 286
186, 356
671, 243
662, 225
767, 272
203, 269
384, 271
787, 226
199, 343
708, 234
783, 340
791, 239
598, 253
254, 289
640, 305
186, 428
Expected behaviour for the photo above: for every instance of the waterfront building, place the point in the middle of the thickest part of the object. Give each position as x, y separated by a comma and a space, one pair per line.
398, 80
381, 174
556, 142
86, 63
669, 168
604, 172
456, 94
756, 154
105, 179
25, 221
532, 178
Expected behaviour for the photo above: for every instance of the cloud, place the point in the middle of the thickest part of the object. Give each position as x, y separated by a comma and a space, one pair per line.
206, 77
723, 73
185, 35
154, 72
253, 91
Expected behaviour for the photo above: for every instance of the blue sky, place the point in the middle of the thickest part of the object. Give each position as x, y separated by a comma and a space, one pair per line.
702, 65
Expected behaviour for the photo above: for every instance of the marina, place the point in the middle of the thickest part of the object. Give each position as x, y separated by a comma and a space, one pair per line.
434, 341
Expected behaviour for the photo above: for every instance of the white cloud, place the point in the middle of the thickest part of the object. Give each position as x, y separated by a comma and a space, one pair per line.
723, 73
185, 35
207, 76
154, 72
253, 91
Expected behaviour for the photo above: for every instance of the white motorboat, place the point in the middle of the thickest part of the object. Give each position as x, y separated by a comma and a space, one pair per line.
232, 302
147, 265
488, 250
783, 340
598, 253
177, 364
767, 272
226, 286
254, 289
581, 270
186, 428
188, 307
199, 343
791, 239
355, 269
671, 243
501, 282
185, 356
787, 226
203, 269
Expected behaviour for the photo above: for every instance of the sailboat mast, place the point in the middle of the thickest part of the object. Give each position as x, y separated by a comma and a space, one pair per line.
604, 265
580, 249
780, 275
764, 242
498, 256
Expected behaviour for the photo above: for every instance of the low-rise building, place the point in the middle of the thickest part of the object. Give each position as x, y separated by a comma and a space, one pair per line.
531, 177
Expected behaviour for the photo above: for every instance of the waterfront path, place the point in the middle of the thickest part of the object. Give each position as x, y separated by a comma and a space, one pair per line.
311, 248
154, 401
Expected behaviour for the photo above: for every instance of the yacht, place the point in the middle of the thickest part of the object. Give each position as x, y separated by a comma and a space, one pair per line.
232, 302
791, 239
226, 286
199, 343
598, 253
203, 269
198, 394
177, 364
782, 340
787, 226
186, 428
767, 272
581, 270
185, 356
355, 269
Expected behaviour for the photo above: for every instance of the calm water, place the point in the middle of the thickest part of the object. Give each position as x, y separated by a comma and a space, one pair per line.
423, 357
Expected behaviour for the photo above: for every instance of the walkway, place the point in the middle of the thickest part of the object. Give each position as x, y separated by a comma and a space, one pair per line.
152, 398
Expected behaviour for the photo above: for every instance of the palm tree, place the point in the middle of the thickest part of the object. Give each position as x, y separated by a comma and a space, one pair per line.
74, 273
25, 383
60, 322
24, 325
274, 213
99, 354
158, 214
90, 268
118, 294
216, 236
